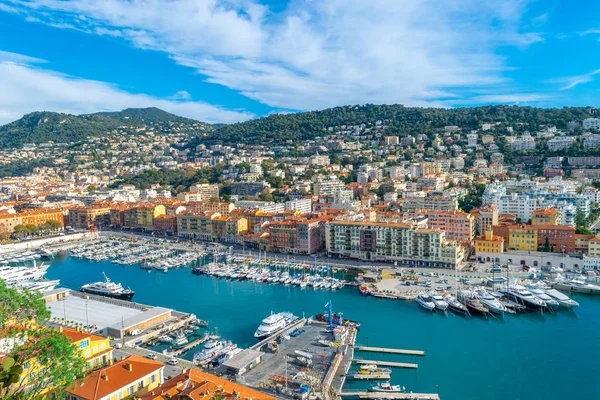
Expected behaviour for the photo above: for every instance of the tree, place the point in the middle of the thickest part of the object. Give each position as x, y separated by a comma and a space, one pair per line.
53, 362
547, 245
583, 231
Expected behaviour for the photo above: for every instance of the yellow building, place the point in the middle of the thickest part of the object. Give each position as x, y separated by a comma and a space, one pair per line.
132, 376
228, 229
146, 213
544, 216
522, 237
594, 247
489, 243
94, 349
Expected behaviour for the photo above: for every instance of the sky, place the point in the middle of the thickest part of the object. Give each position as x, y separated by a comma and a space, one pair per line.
233, 60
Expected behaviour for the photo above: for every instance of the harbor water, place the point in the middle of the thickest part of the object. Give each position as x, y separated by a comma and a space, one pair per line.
528, 356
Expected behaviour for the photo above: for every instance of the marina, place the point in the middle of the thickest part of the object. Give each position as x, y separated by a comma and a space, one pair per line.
221, 299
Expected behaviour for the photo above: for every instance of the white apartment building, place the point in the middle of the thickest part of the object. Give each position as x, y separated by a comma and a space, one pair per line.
525, 143
591, 123
472, 140
560, 143
591, 141
328, 187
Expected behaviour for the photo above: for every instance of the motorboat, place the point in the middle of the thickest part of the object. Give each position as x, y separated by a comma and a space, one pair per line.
551, 303
210, 350
39, 286
180, 339
456, 306
577, 286
274, 323
165, 339
489, 301
440, 303
472, 303
386, 387
563, 299
519, 294
373, 369
108, 289
424, 300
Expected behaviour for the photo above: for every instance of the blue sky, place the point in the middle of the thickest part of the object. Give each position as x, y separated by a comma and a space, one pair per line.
231, 60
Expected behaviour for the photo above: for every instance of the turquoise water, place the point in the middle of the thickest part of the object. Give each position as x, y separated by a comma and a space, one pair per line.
530, 356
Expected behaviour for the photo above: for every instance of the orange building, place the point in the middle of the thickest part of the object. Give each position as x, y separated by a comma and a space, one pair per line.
196, 385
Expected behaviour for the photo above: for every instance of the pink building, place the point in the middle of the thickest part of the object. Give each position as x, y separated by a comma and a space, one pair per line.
459, 226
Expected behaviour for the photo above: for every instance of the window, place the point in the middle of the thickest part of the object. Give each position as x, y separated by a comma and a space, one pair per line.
84, 343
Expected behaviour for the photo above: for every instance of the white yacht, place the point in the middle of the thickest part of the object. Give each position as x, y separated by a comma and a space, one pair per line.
577, 286
424, 300
210, 350
563, 299
440, 303
490, 302
21, 274
521, 295
273, 324
39, 286
551, 303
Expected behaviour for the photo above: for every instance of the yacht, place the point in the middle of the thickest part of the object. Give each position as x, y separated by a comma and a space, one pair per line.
563, 299
490, 302
440, 303
577, 286
551, 303
424, 300
386, 387
21, 274
273, 324
472, 303
180, 339
456, 306
39, 286
209, 351
521, 295
108, 289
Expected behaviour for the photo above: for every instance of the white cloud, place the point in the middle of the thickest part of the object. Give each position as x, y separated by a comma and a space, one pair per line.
315, 54
7, 56
569, 82
24, 89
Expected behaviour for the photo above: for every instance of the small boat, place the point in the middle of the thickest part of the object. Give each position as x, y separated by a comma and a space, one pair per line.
386, 387
364, 290
373, 369
165, 339
424, 301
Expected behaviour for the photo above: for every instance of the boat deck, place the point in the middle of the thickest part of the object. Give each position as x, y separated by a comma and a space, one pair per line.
386, 363
391, 351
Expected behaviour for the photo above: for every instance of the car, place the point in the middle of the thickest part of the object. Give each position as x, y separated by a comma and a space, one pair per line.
118, 345
172, 361
152, 356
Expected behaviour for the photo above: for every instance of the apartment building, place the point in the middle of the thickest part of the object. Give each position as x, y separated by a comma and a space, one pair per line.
434, 203
376, 241
96, 350
544, 216
487, 217
196, 225
88, 216
523, 237
561, 238
223, 208
489, 243
327, 188
459, 226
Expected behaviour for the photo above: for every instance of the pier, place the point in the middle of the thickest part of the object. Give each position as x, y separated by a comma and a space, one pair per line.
385, 377
391, 351
192, 344
386, 363
380, 395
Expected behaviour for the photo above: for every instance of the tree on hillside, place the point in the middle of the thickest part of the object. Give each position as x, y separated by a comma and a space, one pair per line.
39, 359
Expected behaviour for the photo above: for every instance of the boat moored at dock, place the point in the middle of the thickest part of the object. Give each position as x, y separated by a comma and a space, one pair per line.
108, 289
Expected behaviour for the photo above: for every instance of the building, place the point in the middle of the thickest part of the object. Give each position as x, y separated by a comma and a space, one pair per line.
459, 226
117, 214
88, 216
166, 224
591, 141
37, 217
94, 349
264, 206
487, 217
193, 384
223, 208
296, 236
328, 187
132, 376
304, 206
489, 243
206, 191
377, 241
228, 229
471, 140
391, 140
525, 143
560, 143
544, 216
522, 237
591, 123
561, 238
146, 214
594, 247
248, 188
196, 225
434, 203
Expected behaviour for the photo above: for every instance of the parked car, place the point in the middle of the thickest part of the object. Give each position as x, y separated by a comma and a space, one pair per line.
172, 361
152, 356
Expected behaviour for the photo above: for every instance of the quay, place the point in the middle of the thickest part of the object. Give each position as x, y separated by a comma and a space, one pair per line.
391, 351
386, 363
380, 395
385, 377
192, 344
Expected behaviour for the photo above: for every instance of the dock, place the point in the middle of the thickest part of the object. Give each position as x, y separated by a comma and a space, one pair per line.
385, 377
386, 363
190, 345
380, 395
391, 351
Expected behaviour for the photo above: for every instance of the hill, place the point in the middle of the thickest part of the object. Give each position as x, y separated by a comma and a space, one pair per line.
401, 120
43, 126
